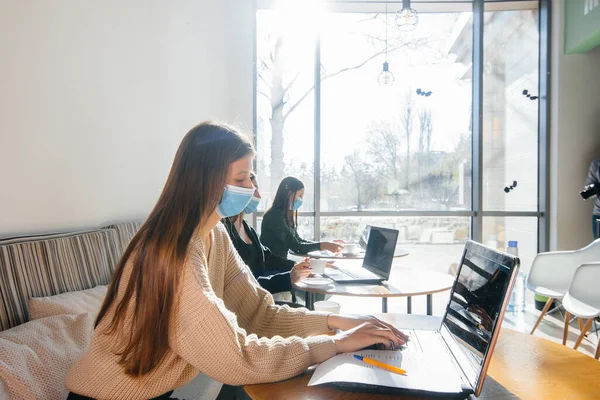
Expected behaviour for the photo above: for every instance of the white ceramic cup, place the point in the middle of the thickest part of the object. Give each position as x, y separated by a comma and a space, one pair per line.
350, 248
327, 306
318, 266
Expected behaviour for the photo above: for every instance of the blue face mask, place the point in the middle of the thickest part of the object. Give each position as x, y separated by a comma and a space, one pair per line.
234, 201
252, 206
296, 204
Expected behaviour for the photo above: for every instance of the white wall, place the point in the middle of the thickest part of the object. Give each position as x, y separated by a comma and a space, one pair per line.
95, 97
575, 137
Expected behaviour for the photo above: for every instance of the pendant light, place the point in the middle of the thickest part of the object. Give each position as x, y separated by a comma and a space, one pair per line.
407, 18
386, 78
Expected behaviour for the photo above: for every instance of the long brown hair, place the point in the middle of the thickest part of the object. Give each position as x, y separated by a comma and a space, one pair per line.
192, 192
285, 197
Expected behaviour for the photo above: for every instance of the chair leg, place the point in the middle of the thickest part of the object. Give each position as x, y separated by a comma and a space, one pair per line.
597, 356
566, 332
544, 311
584, 330
580, 324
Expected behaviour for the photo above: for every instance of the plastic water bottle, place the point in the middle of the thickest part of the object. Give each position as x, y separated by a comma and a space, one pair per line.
517, 298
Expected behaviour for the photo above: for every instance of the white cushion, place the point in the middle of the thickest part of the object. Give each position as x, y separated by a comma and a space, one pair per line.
35, 357
84, 301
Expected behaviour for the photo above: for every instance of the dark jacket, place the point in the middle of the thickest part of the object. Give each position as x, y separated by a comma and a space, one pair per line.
594, 177
271, 271
278, 236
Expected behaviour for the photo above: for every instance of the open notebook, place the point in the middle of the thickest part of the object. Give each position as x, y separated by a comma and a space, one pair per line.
421, 368
452, 360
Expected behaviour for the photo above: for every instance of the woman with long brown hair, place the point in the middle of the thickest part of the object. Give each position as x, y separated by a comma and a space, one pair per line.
181, 302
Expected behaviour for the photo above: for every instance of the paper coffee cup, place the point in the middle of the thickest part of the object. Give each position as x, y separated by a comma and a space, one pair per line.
327, 306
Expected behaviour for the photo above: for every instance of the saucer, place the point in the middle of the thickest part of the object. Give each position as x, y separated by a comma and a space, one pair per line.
317, 281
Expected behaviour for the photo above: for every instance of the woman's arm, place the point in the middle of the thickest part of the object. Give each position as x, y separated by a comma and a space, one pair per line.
209, 336
275, 263
276, 283
290, 238
255, 307
256, 311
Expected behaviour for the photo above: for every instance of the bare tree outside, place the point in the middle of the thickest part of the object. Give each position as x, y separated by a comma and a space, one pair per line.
384, 141
361, 177
407, 116
276, 86
377, 146
425, 129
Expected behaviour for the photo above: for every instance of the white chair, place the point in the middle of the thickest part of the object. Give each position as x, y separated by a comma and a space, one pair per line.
583, 300
551, 273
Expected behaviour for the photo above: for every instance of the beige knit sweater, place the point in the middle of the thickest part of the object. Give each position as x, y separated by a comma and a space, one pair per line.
226, 327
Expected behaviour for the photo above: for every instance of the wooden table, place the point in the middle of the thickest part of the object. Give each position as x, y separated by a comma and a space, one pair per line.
528, 366
406, 282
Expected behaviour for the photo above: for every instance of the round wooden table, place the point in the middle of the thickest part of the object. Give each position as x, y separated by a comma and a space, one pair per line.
528, 366
405, 282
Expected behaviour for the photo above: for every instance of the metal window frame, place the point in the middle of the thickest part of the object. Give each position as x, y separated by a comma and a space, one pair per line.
545, 28
477, 125
477, 214
317, 138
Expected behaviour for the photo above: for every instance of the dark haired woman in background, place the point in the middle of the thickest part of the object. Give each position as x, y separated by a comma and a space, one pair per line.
274, 273
279, 225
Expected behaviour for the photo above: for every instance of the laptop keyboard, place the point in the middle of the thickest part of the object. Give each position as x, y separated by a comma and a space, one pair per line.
359, 273
422, 340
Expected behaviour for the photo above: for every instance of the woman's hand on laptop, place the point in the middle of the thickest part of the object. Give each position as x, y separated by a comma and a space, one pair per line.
365, 335
346, 322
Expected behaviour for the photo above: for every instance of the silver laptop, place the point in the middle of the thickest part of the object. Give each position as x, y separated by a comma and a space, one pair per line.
462, 347
377, 262
364, 239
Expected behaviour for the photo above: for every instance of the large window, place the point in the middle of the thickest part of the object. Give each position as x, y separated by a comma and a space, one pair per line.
435, 154
393, 148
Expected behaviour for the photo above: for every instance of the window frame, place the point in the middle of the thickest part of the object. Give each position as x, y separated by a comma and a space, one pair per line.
476, 213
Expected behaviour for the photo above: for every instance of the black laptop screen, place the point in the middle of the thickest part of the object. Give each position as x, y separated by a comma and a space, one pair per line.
364, 237
380, 250
477, 299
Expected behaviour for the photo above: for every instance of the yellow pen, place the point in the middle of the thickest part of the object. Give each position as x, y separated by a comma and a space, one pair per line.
381, 365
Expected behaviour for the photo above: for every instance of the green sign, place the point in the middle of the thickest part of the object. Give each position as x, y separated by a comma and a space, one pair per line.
582, 25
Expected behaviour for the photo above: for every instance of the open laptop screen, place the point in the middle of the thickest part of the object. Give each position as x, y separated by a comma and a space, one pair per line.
380, 250
477, 301
364, 237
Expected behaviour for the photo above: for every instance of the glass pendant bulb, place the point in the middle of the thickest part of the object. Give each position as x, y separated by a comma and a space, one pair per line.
386, 78
407, 18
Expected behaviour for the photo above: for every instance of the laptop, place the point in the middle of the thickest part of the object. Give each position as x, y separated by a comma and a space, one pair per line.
451, 361
377, 262
364, 237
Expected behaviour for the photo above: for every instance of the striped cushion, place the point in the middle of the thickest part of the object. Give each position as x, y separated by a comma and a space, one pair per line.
125, 231
52, 264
